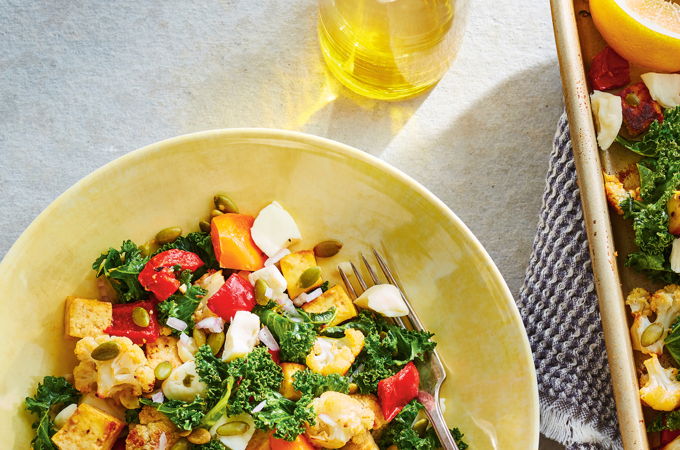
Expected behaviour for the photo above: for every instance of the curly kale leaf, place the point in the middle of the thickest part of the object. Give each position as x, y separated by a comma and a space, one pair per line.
399, 432
295, 338
659, 136
387, 348
185, 415
51, 392
197, 242
287, 417
215, 374
182, 306
315, 384
258, 375
212, 445
121, 268
132, 415
659, 179
665, 421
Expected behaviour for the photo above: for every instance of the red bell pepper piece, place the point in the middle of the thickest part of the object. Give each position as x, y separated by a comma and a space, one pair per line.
639, 108
275, 355
608, 70
399, 389
158, 276
123, 324
236, 294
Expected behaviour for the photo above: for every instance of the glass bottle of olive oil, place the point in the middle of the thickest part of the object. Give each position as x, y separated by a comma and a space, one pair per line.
389, 49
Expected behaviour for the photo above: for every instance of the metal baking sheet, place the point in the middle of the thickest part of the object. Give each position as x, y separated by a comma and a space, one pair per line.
577, 42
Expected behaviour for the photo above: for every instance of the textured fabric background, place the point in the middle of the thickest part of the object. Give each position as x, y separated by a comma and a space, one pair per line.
559, 306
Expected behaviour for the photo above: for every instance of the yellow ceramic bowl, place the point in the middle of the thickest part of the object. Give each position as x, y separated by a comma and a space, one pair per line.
333, 191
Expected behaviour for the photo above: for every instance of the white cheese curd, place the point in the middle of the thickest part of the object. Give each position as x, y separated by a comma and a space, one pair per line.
274, 229
608, 114
663, 87
65, 414
241, 336
675, 256
270, 275
385, 299
238, 441
183, 383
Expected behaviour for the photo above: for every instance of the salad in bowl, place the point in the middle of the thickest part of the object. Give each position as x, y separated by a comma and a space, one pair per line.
231, 337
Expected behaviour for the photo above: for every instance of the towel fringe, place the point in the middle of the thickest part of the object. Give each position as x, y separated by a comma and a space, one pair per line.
562, 427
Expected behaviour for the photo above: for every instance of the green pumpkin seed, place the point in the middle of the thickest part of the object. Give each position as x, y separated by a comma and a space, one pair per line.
309, 277
199, 436
632, 99
199, 337
420, 426
146, 249
260, 292
215, 213
204, 226
140, 317
105, 351
215, 341
651, 334
163, 370
182, 444
225, 204
233, 428
328, 248
167, 235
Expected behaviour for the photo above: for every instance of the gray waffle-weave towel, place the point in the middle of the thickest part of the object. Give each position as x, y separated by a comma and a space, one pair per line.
558, 304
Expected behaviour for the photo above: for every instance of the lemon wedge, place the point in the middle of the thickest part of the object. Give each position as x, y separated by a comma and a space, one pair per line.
645, 32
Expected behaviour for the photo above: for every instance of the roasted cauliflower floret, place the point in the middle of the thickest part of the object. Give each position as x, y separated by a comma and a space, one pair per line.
660, 388
123, 378
146, 435
647, 335
616, 192
339, 418
335, 355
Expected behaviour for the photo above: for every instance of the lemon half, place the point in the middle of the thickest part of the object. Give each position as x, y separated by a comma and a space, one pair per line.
645, 32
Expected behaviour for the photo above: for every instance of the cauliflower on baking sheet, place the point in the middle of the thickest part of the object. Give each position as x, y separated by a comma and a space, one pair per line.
339, 418
647, 335
660, 388
124, 377
335, 355
616, 192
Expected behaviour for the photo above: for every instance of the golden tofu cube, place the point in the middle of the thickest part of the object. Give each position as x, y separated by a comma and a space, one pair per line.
86, 317
88, 429
163, 349
363, 441
147, 433
674, 214
292, 266
259, 441
334, 297
287, 389
371, 402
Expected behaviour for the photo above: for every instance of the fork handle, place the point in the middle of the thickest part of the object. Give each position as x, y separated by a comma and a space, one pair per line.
440, 427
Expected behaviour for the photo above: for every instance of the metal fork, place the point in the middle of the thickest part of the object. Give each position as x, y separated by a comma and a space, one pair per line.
432, 372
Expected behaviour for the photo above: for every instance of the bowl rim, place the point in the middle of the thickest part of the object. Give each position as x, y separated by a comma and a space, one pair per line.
322, 143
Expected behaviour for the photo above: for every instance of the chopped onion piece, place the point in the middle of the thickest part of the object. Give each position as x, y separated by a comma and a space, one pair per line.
162, 442
314, 294
268, 292
259, 407
184, 339
158, 397
175, 323
276, 257
300, 300
268, 339
212, 324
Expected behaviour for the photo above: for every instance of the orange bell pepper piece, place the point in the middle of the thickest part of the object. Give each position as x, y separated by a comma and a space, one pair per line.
234, 247
300, 443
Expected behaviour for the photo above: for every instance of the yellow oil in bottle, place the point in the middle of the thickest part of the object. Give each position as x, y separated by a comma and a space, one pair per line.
388, 49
